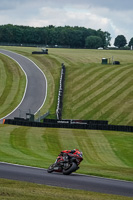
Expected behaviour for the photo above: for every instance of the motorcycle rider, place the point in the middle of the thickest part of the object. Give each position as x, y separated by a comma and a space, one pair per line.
67, 162
67, 153
74, 151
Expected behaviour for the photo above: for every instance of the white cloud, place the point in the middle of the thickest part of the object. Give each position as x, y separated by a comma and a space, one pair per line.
70, 17
109, 15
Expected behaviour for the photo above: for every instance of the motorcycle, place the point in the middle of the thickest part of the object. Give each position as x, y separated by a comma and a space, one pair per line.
67, 162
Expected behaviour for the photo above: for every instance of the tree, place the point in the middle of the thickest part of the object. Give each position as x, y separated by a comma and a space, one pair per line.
120, 41
107, 39
93, 42
131, 42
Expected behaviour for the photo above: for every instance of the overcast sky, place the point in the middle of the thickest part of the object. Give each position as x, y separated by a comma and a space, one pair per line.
114, 16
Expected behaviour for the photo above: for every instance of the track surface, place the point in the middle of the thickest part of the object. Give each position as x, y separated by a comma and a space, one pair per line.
75, 181
36, 90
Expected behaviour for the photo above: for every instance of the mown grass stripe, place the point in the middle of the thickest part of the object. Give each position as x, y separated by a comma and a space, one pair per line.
128, 119
125, 117
89, 153
122, 112
8, 85
14, 86
18, 141
89, 69
103, 101
36, 143
15, 95
104, 151
119, 142
67, 98
108, 98
8, 147
12, 92
102, 92
53, 141
75, 71
68, 139
3, 77
95, 82
89, 79
114, 102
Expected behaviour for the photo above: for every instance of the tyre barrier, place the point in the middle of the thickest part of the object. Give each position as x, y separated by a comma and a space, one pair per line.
65, 124
60, 93
39, 52
44, 51
73, 121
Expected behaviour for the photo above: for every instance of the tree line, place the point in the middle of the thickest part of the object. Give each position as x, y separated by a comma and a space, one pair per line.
73, 37
67, 36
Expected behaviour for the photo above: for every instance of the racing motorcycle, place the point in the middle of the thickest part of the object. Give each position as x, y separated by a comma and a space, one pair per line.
67, 162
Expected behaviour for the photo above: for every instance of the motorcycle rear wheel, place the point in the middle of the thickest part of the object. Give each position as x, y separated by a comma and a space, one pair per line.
73, 167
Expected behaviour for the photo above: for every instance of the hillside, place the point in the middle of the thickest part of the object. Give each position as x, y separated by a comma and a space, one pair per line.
92, 90
96, 91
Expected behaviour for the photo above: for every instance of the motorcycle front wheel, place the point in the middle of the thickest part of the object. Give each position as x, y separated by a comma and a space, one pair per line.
73, 167
50, 169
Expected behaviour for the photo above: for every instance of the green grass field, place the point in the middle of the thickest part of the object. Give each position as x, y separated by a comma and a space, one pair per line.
107, 154
92, 91
95, 91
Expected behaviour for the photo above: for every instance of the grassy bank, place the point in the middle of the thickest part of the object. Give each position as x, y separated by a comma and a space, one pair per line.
92, 90
107, 154
12, 85
22, 190
51, 68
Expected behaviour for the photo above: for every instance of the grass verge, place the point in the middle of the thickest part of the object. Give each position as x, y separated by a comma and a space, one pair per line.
23, 190
12, 85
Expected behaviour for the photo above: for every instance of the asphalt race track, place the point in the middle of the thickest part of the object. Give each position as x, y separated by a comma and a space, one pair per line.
34, 98
74, 181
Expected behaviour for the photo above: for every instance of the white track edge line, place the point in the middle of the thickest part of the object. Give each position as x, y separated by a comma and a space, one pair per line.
26, 166
24, 91
26, 81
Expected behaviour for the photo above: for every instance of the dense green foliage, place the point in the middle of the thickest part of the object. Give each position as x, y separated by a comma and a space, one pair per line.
93, 42
131, 42
50, 35
120, 41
